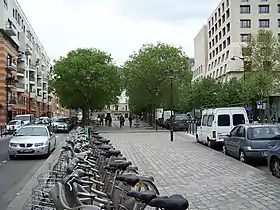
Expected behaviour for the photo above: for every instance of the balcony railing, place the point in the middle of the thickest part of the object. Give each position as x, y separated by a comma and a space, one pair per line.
39, 85
11, 63
12, 100
20, 70
39, 73
11, 81
20, 85
32, 66
32, 78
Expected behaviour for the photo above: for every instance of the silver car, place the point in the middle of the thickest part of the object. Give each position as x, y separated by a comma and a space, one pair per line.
60, 124
32, 140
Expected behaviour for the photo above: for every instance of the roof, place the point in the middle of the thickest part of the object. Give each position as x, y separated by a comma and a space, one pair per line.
36, 125
259, 125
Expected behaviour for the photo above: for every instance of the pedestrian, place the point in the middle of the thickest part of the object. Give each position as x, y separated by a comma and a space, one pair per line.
122, 120
101, 120
130, 120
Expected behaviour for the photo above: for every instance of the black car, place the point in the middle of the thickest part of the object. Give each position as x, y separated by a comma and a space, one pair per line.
180, 122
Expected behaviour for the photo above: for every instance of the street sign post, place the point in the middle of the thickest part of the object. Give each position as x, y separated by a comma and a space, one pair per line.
259, 105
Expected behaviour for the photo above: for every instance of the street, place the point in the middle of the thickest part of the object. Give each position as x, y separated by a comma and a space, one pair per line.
14, 174
207, 178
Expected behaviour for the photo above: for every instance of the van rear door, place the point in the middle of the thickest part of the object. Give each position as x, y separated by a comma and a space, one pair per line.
223, 124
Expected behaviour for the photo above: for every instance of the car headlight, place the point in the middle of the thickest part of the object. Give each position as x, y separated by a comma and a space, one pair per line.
13, 144
39, 144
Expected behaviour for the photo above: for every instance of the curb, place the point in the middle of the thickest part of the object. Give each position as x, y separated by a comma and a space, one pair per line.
19, 201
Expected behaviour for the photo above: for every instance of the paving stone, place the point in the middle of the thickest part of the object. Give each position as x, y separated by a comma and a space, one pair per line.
208, 179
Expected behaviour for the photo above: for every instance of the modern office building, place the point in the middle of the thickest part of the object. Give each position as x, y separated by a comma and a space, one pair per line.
231, 24
24, 65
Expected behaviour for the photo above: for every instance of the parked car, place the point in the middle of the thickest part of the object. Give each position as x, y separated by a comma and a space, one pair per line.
217, 123
43, 120
251, 141
26, 118
180, 122
32, 140
273, 160
60, 124
13, 126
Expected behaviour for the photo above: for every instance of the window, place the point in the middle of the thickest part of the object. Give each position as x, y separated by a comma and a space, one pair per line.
238, 119
233, 131
223, 120
245, 37
204, 120
263, 9
116, 107
265, 132
278, 8
264, 23
278, 23
240, 131
245, 23
210, 120
244, 0
245, 9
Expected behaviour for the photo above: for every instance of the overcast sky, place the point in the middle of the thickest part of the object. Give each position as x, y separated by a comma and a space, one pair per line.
116, 26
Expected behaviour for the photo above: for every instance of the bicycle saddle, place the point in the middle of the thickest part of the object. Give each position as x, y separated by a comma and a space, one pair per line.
113, 152
130, 179
172, 202
120, 165
105, 147
105, 141
143, 178
145, 196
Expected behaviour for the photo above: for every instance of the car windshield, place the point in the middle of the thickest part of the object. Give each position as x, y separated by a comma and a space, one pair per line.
13, 122
265, 132
60, 120
23, 118
32, 131
181, 117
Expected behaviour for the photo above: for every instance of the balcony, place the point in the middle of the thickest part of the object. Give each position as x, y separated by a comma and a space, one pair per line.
11, 82
20, 72
39, 85
11, 65
28, 50
32, 67
12, 101
39, 98
39, 73
32, 79
10, 29
32, 95
21, 57
20, 87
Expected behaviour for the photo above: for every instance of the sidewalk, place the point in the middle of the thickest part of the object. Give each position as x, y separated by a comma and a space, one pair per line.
208, 179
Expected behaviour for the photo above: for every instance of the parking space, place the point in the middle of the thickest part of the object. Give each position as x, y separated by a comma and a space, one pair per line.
209, 179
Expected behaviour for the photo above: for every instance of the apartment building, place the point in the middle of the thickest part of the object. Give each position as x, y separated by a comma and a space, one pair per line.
24, 65
231, 24
56, 108
200, 53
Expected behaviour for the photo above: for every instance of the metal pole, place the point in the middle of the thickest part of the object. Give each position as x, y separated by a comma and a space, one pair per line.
171, 103
7, 101
29, 92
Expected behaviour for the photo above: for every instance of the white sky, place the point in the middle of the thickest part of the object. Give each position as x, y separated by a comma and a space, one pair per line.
116, 26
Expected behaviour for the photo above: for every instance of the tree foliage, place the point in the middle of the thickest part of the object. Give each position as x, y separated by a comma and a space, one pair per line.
147, 76
86, 78
262, 73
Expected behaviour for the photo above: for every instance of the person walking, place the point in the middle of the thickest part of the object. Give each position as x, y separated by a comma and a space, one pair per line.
122, 120
130, 119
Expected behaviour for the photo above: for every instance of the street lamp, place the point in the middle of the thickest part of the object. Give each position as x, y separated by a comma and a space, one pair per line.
171, 76
234, 58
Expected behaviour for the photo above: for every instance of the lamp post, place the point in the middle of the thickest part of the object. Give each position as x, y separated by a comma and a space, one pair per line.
171, 76
7, 100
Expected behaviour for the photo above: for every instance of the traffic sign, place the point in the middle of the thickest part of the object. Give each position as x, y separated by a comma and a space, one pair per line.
248, 108
259, 105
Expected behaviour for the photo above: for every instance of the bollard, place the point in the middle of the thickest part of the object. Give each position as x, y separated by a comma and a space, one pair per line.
5, 130
192, 128
1, 130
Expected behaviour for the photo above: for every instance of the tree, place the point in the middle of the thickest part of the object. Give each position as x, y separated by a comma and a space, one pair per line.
147, 76
86, 79
262, 73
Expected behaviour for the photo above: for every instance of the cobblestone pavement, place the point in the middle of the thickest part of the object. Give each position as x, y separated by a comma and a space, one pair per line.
207, 178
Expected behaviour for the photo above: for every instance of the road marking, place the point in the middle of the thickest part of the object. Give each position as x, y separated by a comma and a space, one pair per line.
4, 161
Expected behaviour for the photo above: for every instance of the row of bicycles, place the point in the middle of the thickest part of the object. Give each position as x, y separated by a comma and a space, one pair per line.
90, 174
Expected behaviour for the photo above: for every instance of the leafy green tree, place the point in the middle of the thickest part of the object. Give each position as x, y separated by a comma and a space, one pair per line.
262, 62
148, 74
86, 79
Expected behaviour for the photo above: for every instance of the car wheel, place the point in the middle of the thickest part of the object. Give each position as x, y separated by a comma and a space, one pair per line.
49, 151
225, 150
54, 146
242, 156
197, 139
210, 143
12, 157
275, 167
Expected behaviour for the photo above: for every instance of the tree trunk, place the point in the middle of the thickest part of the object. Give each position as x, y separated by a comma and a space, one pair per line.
85, 112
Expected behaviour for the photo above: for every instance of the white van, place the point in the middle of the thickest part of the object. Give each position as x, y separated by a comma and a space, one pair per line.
26, 118
217, 123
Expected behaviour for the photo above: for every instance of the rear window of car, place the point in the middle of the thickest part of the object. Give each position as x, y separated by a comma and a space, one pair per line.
238, 119
181, 117
264, 132
223, 120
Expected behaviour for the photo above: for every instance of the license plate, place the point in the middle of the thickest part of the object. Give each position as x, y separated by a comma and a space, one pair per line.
26, 150
264, 153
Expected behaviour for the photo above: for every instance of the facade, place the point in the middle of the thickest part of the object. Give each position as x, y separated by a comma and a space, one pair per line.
231, 24
24, 66
200, 53
57, 110
121, 108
